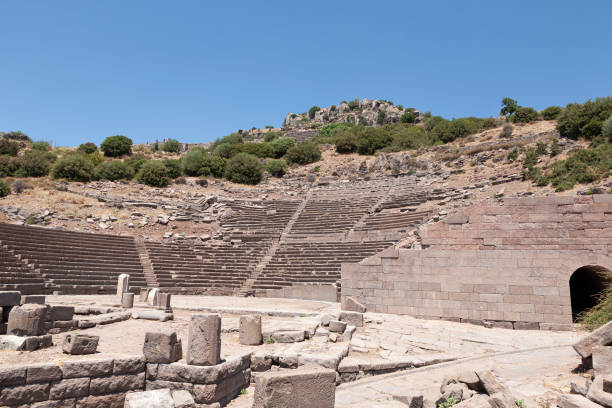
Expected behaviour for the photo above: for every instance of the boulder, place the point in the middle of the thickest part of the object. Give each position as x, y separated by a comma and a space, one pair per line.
149, 399
597, 393
304, 387
80, 344
575, 401
477, 401
162, 348
600, 337
250, 330
351, 305
457, 392
352, 318
602, 360
337, 326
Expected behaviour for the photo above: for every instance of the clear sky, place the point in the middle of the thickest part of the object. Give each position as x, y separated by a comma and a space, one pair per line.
80, 70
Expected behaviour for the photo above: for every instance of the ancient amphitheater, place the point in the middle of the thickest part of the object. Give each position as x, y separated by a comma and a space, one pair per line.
350, 295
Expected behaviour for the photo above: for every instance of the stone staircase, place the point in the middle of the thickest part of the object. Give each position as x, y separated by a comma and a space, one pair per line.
145, 261
246, 288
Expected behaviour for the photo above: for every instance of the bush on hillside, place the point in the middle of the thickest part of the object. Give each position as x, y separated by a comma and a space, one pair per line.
19, 186
606, 129
244, 168
113, 170
87, 148
17, 135
73, 167
276, 167
9, 147
256, 149
153, 173
213, 166
5, 189
312, 111
584, 120
345, 142
136, 162
551, 113
95, 157
509, 106
555, 149
599, 314
584, 166
447, 131
524, 115
174, 167
193, 161
224, 150
41, 146
9, 166
279, 146
408, 117
171, 146
270, 136
114, 146
303, 153
381, 118
329, 131
408, 137
34, 163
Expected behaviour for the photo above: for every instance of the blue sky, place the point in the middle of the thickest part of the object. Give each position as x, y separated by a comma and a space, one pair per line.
80, 70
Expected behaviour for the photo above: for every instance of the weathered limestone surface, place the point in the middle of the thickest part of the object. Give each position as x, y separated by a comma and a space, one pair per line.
80, 344
28, 320
600, 337
204, 344
162, 348
250, 330
306, 387
149, 399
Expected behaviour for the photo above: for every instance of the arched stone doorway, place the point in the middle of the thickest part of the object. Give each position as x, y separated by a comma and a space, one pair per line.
586, 283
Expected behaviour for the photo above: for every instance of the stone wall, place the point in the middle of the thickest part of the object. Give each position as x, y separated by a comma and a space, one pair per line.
505, 264
326, 293
104, 382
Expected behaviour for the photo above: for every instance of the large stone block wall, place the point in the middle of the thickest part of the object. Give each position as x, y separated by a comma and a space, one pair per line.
506, 263
105, 382
528, 288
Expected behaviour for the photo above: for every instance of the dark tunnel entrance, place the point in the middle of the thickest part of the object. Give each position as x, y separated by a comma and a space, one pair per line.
586, 284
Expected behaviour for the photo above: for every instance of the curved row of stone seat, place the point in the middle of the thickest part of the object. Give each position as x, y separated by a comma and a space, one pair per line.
316, 262
329, 216
388, 220
14, 274
75, 261
269, 216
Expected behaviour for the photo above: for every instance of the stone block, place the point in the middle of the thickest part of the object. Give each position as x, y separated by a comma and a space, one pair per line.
575, 401
607, 383
250, 330
24, 394
152, 297
98, 401
27, 320
490, 383
597, 394
602, 360
170, 385
526, 326
44, 372
129, 365
305, 387
62, 312
87, 368
183, 399
10, 298
80, 344
70, 388
163, 300
351, 305
289, 336
123, 283
117, 383
127, 300
336, 326
162, 348
149, 399
352, 318
599, 337
12, 375
261, 362
204, 345
222, 391
35, 299
177, 372
409, 399
153, 315
143, 294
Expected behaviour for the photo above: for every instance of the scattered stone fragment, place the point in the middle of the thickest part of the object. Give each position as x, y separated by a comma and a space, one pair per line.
410, 399
599, 337
127, 301
27, 320
149, 399
352, 318
80, 344
183, 399
351, 305
250, 330
162, 348
575, 401
337, 326
153, 315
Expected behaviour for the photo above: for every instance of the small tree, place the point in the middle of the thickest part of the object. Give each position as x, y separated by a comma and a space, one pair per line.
175, 168
153, 173
114, 146
9, 147
193, 161
312, 111
303, 153
408, 117
280, 146
509, 106
5, 189
551, 113
524, 115
244, 168
74, 167
88, 148
172, 146
113, 170
42, 146
34, 163
606, 129
381, 117
276, 167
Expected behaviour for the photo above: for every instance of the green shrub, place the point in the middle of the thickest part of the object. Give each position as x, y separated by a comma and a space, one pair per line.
276, 167
407, 136
327, 132
303, 153
171, 146
244, 168
551, 113
606, 129
174, 167
408, 117
5, 189
113, 170
224, 150
136, 162
446, 131
279, 146
256, 149
9, 147
432, 121
541, 148
193, 161
555, 149
34, 163
153, 173
270, 136
156, 146
381, 118
87, 148
234, 138
513, 154
17, 135
9, 166
41, 146
524, 115
584, 120
19, 186
95, 157
345, 142
583, 167
312, 111
73, 167
213, 166
114, 146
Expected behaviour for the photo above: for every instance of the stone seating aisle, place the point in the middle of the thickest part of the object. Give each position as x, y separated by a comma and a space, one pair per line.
329, 216
264, 216
75, 262
301, 262
393, 220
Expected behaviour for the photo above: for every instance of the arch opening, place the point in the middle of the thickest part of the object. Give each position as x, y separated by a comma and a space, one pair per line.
586, 284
